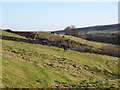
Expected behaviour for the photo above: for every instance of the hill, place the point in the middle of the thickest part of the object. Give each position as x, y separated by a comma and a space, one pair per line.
74, 43
95, 28
104, 33
29, 65
100, 27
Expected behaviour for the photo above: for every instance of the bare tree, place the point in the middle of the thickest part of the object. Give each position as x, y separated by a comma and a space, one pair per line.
71, 30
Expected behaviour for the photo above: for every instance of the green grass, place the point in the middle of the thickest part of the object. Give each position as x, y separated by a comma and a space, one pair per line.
108, 31
48, 35
4, 33
56, 37
95, 45
41, 66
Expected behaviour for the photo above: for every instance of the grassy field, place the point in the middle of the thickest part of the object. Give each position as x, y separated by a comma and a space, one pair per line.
108, 31
95, 45
57, 37
40, 66
4, 33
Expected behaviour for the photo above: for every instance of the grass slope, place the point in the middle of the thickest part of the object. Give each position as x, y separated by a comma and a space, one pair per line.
34, 65
57, 37
86, 42
107, 31
4, 33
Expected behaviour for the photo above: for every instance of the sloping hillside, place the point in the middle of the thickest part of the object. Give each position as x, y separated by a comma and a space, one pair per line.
40, 66
103, 33
95, 28
4, 33
100, 27
74, 43
57, 37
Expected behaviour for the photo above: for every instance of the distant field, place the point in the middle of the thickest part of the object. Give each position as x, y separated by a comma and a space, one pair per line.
39, 66
108, 31
56, 37
4, 33
86, 42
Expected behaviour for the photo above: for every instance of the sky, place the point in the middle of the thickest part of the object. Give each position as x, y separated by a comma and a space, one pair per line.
50, 16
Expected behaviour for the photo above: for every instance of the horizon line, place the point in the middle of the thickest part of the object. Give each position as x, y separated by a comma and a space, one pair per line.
95, 25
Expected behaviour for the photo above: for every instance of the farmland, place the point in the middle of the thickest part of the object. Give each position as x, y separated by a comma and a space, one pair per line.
40, 66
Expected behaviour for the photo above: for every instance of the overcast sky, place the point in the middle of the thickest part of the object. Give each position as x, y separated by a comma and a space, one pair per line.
57, 15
